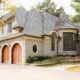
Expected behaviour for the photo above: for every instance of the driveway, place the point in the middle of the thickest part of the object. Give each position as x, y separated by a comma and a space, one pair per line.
21, 72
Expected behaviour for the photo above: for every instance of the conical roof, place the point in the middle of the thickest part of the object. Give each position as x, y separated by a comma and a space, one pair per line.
64, 22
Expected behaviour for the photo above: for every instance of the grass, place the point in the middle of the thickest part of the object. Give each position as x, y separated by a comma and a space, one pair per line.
74, 69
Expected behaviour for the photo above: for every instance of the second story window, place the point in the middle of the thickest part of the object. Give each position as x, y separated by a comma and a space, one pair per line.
9, 27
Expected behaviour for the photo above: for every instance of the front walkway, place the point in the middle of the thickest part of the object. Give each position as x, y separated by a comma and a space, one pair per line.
21, 72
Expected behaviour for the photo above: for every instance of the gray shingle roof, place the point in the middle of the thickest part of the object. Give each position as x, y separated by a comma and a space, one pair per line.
64, 22
48, 21
21, 17
35, 23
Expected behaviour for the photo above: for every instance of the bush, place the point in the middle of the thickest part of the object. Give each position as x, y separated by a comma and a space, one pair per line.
32, 59
45, 60
50, 61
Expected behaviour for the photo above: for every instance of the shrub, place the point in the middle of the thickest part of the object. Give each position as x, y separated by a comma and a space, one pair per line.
32, 59
50, 61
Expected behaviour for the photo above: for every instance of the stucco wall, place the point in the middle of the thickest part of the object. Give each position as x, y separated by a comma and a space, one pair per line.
47, 46
29, 42
43, 46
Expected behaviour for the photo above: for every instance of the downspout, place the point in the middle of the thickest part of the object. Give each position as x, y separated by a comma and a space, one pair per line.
77, 44
57, 47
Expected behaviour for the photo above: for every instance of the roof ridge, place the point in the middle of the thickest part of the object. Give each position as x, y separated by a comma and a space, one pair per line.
42, 24
26, 21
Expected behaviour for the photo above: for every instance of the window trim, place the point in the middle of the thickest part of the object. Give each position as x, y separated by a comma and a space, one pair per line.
68, 40
9, 27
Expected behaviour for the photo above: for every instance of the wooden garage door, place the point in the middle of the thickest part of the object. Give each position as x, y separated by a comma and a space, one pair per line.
17, 54
5, 54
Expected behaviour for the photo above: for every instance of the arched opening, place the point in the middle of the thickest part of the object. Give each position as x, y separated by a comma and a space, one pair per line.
16, 54
5, 54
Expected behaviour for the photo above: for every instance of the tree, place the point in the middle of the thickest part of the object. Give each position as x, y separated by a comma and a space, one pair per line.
76, 5
47, 6
58, 11
9, 7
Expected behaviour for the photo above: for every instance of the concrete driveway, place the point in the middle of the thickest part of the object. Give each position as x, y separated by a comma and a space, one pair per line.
21, 72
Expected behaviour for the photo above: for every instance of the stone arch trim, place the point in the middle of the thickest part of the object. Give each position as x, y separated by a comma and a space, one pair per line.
54, 32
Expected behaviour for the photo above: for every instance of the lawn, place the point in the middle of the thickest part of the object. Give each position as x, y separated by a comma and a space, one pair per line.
74, 69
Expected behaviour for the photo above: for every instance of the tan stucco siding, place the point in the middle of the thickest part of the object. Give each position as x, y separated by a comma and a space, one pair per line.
29, 42
47, 46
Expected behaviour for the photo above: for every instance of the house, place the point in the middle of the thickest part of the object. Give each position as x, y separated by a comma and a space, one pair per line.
31, 33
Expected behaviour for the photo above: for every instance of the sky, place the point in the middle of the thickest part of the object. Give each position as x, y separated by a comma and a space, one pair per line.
29, 3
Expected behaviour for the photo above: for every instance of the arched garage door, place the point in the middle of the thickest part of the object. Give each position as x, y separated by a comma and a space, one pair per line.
17, 54
5, 54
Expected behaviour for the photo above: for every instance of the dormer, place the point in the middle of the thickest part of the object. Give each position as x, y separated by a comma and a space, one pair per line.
17, 28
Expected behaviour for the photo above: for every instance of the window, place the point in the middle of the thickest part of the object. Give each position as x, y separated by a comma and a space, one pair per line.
69, 41
52, 43
9, 27
34, 48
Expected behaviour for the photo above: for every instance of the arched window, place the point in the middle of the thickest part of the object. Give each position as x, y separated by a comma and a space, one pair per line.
52, 43
69, 41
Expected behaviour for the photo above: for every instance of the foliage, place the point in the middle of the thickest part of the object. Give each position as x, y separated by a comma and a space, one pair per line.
52, 61
9, 7
47, 6
48, 61
31, 59
58, 11
75, 18
76, 5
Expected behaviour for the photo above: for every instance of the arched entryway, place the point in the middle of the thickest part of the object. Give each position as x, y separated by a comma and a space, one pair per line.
17, 54
5, 54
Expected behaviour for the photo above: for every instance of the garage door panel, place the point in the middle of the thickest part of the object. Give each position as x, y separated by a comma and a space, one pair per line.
17, 54
5, 54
